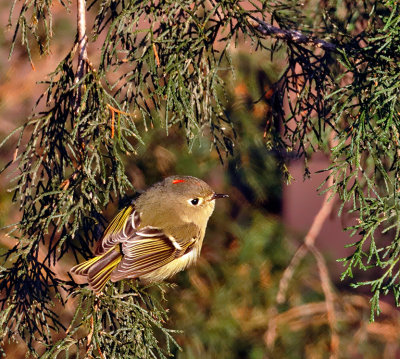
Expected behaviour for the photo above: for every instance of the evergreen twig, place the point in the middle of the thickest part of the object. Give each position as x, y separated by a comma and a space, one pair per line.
294, 36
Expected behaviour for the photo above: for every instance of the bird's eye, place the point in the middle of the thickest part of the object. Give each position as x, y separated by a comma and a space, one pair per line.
194, 201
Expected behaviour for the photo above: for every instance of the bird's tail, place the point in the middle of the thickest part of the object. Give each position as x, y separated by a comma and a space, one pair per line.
98, 269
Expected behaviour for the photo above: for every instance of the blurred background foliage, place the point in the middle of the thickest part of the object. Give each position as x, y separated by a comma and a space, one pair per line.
226, 304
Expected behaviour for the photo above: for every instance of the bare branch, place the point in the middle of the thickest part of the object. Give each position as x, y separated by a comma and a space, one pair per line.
82, 51
289, 35
349, 308
329, 299
308, 245
82, 38
309, 241
288, 273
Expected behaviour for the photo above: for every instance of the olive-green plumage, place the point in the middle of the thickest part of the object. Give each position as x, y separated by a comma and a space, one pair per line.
160, 234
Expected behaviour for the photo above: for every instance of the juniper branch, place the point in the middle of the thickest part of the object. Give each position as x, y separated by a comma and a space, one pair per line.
292, 36
82, 37
82, 49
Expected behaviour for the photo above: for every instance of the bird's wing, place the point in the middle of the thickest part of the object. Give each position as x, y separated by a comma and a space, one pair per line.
123, 226
150, 248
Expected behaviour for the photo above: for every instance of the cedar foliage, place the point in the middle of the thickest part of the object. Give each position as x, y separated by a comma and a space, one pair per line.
163, 64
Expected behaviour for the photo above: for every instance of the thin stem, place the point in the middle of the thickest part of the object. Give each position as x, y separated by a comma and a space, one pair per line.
329, 300
309, 245
309, 240
293, 36
82, 51
82, 38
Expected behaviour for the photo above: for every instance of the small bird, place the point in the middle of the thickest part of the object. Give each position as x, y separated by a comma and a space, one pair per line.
158, 235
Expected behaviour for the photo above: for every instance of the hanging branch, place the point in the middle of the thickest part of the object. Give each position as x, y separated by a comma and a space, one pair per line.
82, 38
291, 36
82, 50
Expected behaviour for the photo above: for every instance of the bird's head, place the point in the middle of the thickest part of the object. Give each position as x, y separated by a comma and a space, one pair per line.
187, 198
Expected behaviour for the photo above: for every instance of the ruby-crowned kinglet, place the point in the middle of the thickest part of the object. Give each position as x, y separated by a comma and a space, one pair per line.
160, 234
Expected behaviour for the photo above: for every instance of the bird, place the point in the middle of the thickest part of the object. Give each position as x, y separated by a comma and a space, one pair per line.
156, 236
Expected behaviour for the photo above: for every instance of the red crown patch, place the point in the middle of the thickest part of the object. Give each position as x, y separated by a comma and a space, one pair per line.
178, 181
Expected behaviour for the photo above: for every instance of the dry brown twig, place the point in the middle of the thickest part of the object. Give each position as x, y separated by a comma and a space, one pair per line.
350, 309
81, 42
82, 39
309, 246
114, 111
293, 36
329, 294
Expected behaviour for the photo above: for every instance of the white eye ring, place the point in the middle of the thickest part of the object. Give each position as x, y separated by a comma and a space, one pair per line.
195, 201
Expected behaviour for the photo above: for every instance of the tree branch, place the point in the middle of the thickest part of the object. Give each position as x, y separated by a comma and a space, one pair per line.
82, 51
308, 245
309, 241
329, 300
82, 38
293, 36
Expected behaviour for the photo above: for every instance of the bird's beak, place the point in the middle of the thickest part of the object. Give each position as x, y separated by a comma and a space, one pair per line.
218, 195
